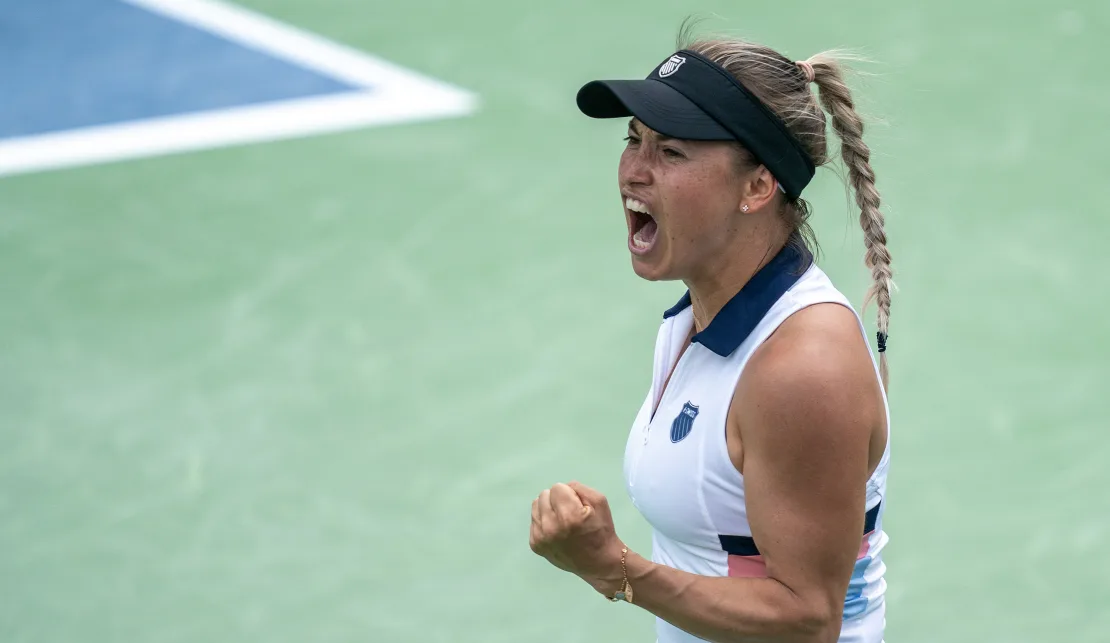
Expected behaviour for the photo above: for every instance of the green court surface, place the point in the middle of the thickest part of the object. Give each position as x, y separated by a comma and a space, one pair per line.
306, 391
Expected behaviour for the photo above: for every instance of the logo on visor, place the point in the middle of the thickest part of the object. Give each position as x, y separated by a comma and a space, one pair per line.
671, 66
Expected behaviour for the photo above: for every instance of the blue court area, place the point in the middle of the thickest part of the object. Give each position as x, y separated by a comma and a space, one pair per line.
77, 63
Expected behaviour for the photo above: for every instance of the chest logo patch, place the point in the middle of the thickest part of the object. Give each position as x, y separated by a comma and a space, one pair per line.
684, 423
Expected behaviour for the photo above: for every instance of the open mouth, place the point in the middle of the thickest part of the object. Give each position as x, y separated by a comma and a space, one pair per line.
642, 227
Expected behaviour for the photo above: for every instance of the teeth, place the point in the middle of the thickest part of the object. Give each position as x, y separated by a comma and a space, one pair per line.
637, 206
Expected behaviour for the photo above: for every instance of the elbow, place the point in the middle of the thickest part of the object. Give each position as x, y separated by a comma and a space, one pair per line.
802, 623
789, 617
814, 624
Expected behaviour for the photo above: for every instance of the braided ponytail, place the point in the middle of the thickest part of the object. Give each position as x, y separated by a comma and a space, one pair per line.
837, 101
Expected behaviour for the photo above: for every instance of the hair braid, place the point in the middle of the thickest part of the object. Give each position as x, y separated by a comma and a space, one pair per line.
837, 100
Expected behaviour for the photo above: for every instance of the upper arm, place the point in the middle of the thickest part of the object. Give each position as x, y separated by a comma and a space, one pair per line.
806, 412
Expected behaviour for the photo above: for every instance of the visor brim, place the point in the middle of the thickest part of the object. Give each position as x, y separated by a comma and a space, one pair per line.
655, 104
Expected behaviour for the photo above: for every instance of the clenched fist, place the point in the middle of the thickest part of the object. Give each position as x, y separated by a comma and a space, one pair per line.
573, 529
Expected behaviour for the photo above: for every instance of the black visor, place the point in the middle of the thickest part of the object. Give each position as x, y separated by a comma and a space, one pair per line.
689, 97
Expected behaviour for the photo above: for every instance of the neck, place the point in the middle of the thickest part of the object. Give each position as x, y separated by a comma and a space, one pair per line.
720, 281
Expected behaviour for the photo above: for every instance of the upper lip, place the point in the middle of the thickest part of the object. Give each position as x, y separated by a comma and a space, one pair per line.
631, 195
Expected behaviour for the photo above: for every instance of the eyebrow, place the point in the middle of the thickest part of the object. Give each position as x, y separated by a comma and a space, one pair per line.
659, 137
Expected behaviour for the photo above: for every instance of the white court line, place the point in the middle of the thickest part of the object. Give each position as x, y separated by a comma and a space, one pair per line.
397, 95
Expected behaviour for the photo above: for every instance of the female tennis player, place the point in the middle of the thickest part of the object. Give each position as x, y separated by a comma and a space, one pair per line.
760, 454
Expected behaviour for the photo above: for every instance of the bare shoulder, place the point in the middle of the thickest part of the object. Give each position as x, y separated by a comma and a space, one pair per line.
813, 380
812, 346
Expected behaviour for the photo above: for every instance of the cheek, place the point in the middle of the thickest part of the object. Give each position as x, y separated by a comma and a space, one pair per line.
700, 206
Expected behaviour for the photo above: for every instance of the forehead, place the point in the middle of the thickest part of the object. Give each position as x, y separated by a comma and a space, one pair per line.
637, 125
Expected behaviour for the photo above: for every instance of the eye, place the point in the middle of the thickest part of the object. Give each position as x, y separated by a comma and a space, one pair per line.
673, 153
632, 139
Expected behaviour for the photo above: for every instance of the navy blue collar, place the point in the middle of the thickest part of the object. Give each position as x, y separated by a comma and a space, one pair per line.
739, 317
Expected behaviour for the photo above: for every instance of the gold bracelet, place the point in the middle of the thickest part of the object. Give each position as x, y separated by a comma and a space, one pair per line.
625, 592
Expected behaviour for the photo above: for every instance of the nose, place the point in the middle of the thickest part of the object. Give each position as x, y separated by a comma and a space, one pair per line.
635, 167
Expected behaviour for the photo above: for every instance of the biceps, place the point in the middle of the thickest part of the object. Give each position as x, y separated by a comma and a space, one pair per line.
806, 513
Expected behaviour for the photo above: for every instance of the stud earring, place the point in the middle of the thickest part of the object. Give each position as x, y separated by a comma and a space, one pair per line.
744, 208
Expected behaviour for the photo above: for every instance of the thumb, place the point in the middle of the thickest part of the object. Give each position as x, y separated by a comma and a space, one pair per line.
589, 496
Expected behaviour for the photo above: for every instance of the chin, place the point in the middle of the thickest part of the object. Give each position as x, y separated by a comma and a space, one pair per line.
648, 271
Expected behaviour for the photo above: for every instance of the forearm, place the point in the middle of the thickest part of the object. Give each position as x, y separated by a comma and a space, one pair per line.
728, 610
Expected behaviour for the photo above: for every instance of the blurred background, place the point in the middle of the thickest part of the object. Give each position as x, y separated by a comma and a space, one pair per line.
257, 384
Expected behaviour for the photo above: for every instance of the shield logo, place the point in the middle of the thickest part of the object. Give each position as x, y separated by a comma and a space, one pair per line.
671, 66
683, 424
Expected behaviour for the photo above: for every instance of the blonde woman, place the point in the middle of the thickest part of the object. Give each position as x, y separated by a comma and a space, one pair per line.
760, 454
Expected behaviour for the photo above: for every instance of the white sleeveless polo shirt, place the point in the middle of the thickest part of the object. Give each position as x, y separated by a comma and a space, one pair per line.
676, 465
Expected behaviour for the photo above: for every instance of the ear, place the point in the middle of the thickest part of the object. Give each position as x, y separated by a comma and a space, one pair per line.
759, 190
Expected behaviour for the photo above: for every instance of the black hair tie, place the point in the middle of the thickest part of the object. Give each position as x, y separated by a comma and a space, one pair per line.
882, 341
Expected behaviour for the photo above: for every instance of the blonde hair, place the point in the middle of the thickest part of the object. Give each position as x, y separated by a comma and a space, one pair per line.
784, 86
